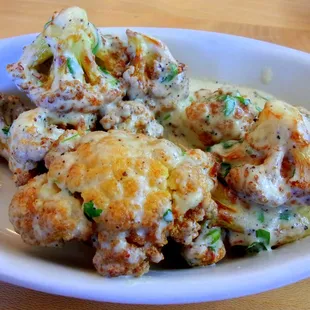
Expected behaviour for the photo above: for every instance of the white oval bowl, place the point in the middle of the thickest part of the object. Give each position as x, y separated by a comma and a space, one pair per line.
69, 271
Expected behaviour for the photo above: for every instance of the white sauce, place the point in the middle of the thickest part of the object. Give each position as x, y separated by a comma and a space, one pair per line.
175, 124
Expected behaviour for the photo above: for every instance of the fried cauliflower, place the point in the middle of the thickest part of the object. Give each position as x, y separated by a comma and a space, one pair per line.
134, 191
70, 66
257, 227
132, 116
10, 108
32, 134
272, 165
153, 74
220, 116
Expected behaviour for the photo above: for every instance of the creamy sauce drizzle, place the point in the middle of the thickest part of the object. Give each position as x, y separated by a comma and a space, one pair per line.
174, 122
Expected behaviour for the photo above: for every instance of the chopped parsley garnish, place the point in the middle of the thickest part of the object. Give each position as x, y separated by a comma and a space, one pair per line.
228, 144
255, 248
6, 130
191, 99
243, 100
224, 169
70, 138
96, 47
183, 153
214, 235
111, 79
168, 216
47, 24
173, 72
90, 210
285, 215
261, 216
209, 148
167, 117
211, 248
263, 236
70, 64
230, 103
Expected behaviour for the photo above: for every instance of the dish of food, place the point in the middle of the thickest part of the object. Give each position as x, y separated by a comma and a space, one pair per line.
136, 158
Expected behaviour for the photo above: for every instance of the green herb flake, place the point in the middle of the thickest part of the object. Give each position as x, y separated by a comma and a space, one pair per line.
168, 216
211, 248
173, 72
6, 130
191, 99
228, 144
70, 138
167, 116
260, 216
214, 235
286, 215
47, 24
111, 79
263, 236
97, 41
183, 153
243, 100
255, 248
70, 65
90, 210
230, 103
209, 149
224, 169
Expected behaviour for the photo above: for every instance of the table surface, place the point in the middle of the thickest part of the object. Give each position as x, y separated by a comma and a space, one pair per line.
285, 22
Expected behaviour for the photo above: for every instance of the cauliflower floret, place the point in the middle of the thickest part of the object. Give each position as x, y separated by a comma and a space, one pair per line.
272, 165
132, 116
10, 108
281, 224
32, 134
67, 66
133, 189
45, 215
208, 248
153, 74
220, 116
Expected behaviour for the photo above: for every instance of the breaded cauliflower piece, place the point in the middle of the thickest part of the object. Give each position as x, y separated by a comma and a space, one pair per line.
208, 248
133, 189
272, 166
153, 74
281, 224
32, 134
45, 215
66, 68
220, 116
10, 108
132, 116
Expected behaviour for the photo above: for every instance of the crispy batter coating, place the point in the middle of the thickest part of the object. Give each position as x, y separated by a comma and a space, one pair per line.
220, 116
10, 108
132, 116
134, 189
153, 74
32, 134
43, 214
67, 66
272, 166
